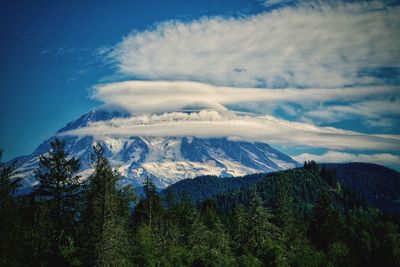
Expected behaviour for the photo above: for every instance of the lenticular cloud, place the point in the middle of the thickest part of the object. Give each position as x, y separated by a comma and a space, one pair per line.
209, 123
183, 108
318, 62
161, 96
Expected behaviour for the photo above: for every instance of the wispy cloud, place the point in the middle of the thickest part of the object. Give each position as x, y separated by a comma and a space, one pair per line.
272, 3
315, 45
380, 113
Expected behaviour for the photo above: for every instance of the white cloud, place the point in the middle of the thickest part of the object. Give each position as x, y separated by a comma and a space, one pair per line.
269, 3
315, 45
143, 98
374, 112
264, 128
324, 55
337, 156
160, 96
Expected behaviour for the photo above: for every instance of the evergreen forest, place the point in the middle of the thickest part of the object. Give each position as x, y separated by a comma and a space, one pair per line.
299, 217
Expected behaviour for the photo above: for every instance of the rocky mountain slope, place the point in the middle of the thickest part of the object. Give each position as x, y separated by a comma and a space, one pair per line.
165, 159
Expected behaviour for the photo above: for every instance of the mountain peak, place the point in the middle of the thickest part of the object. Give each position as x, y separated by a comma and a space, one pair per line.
165, 159
99, 114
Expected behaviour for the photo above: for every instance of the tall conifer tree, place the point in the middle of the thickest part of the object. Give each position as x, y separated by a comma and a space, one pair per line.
10, 247
58, 189
104, 220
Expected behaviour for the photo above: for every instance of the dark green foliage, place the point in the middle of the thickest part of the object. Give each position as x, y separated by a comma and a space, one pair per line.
325, 226
203, 187
58, 191
209, 242
329, 175
314, 220
10, 247
150, 209
300, 252
303, 189
105, 217
311, 166
299, 217
377, 184
257, 236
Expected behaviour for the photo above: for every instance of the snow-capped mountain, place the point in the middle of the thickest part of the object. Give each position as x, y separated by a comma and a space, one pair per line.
165, 159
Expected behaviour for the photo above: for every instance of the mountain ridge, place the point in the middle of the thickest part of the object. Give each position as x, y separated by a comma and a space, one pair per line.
165, 159
375, 183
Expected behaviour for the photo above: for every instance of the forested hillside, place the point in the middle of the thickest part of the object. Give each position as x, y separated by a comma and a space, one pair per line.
204, 187
378, 184
298, 217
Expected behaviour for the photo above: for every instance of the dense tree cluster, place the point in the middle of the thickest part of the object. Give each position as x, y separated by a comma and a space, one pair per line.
299, 217
378, 184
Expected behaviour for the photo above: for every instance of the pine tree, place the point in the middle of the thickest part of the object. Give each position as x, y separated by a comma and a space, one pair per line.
58, 182
8, 184
210, 247
300, 252
170, 198
186, 214
104, 221
209, 242
329, 175
285, 216
145, 247
325, 223
58, 189
311, 166
153, 205
10, 247
257, 235
284, 206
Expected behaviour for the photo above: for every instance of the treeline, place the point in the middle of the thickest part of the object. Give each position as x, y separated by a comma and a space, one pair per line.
69, 222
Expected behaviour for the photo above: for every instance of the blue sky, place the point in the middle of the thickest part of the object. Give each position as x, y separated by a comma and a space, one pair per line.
49, 60
56, 52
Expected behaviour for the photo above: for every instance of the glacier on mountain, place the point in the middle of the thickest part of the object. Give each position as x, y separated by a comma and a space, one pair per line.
165, 159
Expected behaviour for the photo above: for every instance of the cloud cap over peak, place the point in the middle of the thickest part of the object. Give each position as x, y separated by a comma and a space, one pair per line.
161, 96
208, 123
